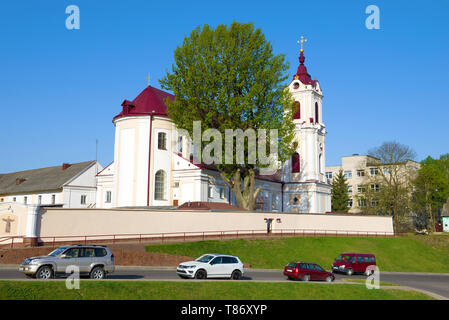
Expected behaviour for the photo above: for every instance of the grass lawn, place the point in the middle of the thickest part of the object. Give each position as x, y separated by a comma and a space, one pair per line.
400, 254
193, 290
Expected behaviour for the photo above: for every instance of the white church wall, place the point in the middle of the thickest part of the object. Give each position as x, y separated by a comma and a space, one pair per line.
85, 222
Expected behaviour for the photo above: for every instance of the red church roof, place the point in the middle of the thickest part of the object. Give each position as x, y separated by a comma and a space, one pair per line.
149, 102
301, 73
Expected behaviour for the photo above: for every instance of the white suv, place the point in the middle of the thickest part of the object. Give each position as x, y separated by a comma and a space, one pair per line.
212, 265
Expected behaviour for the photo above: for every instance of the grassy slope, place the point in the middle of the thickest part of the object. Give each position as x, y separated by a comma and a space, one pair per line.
136, 290
412, 254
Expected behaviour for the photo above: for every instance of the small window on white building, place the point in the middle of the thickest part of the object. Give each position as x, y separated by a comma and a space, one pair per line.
39, 199
25, 200
348, 174
222, 192
362, 203
329, 175
83, 199
108, 197
14, 199
160, 185
180, 144
53, 199
210, 191
360, 173
162, 141
375, 187
374, 171
349, 188
350, 201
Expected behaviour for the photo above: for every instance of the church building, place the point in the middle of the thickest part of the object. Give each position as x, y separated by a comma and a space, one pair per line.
153, 164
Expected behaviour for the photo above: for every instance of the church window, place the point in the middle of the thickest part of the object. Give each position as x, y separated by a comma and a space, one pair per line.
180, 144
83, 199
297, 114
53, 199
222, 192
210, 191
25, 200
39, 199
317, 118
108, 196
296, 85
162, 141
295, 163
160, 183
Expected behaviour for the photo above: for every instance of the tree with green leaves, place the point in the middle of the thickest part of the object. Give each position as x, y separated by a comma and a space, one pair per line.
388, 189
230, 78
339, 197
431, 188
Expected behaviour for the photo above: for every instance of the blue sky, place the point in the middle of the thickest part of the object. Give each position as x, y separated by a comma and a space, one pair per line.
61, 88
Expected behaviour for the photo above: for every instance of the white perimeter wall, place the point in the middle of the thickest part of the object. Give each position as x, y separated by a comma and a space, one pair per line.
66, 222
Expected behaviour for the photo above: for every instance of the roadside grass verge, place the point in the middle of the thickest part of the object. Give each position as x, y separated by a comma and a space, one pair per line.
400, 254
205, 290
361, 281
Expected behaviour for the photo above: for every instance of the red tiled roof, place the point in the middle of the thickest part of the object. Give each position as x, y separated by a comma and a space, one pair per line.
149, 102
203, 205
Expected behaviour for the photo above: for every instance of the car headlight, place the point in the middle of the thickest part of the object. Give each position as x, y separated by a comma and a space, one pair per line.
190, 267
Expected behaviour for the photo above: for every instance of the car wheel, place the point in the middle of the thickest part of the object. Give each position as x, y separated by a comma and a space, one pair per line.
44, 273
201, 274
329, 279
236, 275
97, 273
306, 278
290, 278
349, 272
368, 273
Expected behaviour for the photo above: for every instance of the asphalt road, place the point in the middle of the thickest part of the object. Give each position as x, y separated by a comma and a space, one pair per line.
433, 283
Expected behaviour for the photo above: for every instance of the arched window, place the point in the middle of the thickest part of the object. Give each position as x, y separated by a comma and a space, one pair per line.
297, 114
295, 163
160, 183
317, 117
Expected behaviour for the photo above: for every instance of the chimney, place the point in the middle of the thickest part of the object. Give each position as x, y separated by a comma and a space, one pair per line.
66, 166
19, 181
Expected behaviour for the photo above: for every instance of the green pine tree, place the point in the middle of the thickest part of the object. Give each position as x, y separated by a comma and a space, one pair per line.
340, 196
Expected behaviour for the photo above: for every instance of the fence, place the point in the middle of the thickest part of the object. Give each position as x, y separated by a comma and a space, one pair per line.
188, 236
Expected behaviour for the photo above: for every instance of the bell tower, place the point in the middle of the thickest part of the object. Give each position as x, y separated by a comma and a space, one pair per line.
306, 168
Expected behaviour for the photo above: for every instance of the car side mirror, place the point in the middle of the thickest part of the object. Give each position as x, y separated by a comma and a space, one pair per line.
63, 256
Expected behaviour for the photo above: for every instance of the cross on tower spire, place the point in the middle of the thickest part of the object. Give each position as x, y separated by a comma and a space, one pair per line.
301, 41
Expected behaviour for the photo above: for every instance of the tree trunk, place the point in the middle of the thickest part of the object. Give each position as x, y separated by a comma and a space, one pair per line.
247, 197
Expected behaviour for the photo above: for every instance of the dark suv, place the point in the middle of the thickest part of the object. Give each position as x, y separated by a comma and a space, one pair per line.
92, 260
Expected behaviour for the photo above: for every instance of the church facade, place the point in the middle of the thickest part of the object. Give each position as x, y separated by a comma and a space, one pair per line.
153, 163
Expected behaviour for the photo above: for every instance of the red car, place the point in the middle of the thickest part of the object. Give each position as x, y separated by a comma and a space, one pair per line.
351, 263
306, 271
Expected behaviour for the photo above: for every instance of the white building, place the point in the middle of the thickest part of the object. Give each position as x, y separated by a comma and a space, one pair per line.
153, 167
68, 185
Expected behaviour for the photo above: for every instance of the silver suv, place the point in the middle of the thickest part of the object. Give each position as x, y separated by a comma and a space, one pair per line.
92, 260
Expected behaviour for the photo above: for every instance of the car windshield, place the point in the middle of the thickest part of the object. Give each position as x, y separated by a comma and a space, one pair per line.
205, 258
57, 252
343, 257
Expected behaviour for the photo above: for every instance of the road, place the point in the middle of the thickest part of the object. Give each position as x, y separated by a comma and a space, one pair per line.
433, 283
